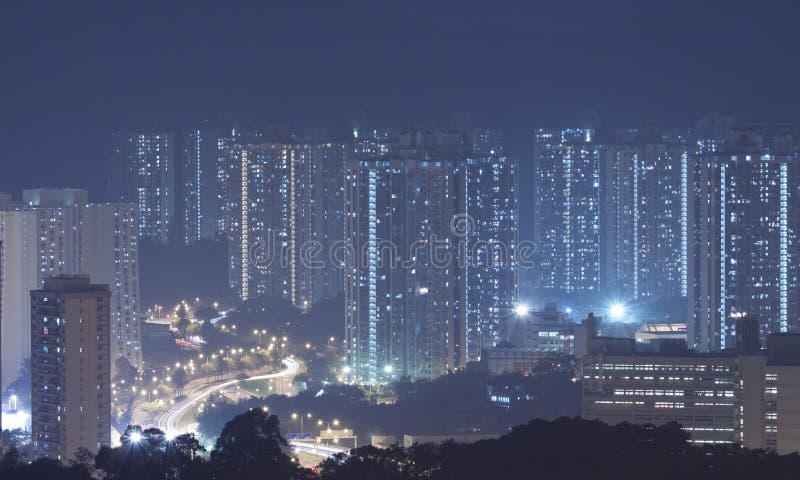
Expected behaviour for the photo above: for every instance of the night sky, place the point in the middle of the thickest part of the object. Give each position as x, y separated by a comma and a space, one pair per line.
72, 71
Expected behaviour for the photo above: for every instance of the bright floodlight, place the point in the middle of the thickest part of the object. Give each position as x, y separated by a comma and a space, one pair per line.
135, 437
521, 310
170, 436
388, 369
568, 310
346, 370
617, 310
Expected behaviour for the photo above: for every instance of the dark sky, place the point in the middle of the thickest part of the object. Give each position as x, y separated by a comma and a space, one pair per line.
71, 71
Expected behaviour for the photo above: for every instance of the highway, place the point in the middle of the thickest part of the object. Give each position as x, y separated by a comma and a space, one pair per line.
169, 421
316, 450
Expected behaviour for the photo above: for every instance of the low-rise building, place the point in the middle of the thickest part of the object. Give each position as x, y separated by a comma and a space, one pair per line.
744, 395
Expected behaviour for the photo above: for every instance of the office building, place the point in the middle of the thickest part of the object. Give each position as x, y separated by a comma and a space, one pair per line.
142, 172
742, 395
200, 185
567, 209
55, 232
70, 367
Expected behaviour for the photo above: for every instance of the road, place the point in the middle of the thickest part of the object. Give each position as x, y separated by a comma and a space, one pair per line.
169, 421
316, 451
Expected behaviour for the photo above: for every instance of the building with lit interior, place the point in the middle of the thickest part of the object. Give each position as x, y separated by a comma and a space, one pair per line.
567, 209
57, 232
430, 283
744, 254
644, 197
742, 395
200, 184
70, 368
142, 172
281, 208
491, 224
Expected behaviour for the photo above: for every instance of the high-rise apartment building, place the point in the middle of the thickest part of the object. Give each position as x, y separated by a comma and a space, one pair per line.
56, 232
744, 255
405, 308
567, 209
431, 227
282, 210
491, 227
644, 219
70, 367
142, 172
200, 184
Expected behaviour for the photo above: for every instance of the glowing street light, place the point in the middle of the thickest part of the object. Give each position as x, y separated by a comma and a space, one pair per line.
617, 311
295, 416
388, 369
135, 437
521, 310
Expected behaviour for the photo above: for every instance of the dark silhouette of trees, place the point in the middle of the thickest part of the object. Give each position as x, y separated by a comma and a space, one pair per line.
150, 455
251, 447
178, 380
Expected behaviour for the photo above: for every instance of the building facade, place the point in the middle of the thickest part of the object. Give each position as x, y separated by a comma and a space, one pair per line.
644, 215
70, 367
745, 251
56, 233
490, 228
200, 185
431, 228
142, 172
567, 209
281, 209
405, 301
744, 395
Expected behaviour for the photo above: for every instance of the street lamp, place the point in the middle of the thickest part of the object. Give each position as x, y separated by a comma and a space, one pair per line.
259, 333
521, 310
295, 416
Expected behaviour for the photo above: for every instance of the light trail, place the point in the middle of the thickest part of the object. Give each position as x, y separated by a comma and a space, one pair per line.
169, 421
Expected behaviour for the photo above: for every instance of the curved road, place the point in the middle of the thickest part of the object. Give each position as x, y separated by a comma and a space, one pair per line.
169, 421
316, 450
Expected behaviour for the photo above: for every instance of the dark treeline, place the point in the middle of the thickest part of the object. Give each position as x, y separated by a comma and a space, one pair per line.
251, 447
452, 404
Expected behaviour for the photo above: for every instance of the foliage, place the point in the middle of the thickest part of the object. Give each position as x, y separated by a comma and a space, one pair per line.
251, 446
265, 455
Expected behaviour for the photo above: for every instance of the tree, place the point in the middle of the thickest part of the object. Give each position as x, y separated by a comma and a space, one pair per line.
179, 380
230, 364
125, 371
251, 447
150, 455
183, 319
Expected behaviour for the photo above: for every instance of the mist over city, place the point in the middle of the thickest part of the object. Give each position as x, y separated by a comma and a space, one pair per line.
399, 240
